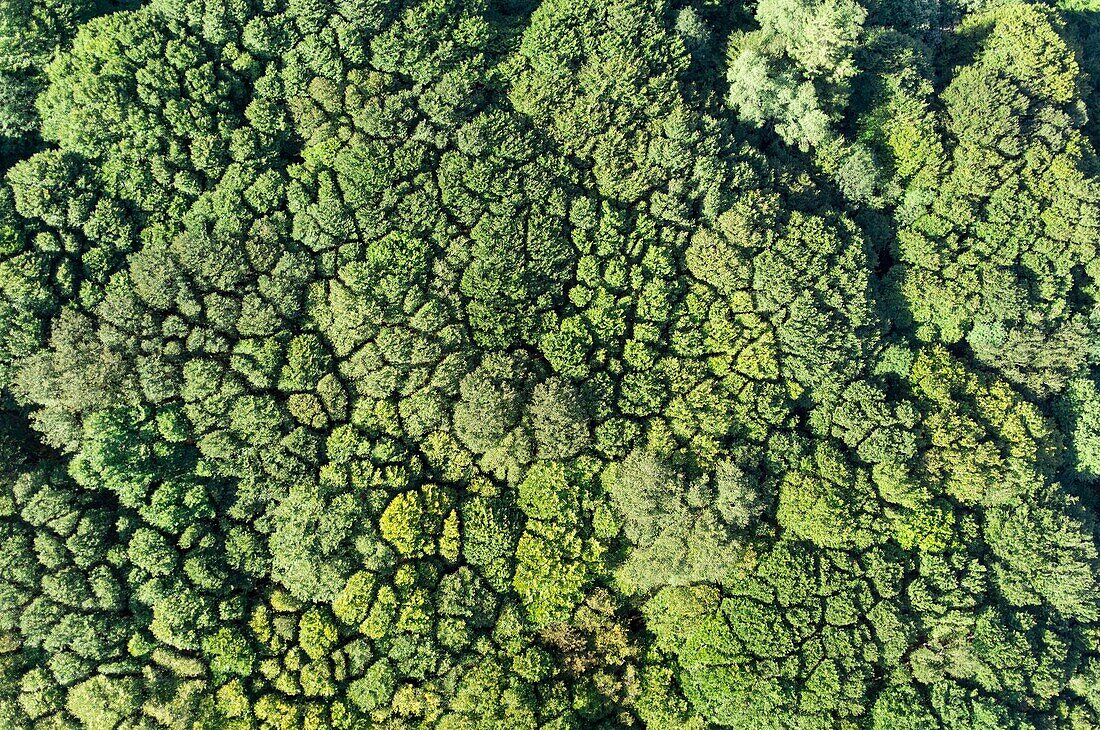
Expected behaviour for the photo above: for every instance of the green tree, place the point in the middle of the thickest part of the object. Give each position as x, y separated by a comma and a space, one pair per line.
794, 71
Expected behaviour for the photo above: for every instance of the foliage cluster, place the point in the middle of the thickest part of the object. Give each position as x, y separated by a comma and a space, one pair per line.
476, 364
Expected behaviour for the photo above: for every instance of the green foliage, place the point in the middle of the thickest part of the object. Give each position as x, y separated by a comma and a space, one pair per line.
794, 70
1011, 213
413, 519
681, 533
313, 552
101, 702
1079, 414
549, 364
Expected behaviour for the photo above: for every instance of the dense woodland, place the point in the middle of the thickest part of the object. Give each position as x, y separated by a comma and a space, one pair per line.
506, 364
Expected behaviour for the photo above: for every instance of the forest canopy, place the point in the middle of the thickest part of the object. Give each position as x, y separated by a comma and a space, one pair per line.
550, 364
